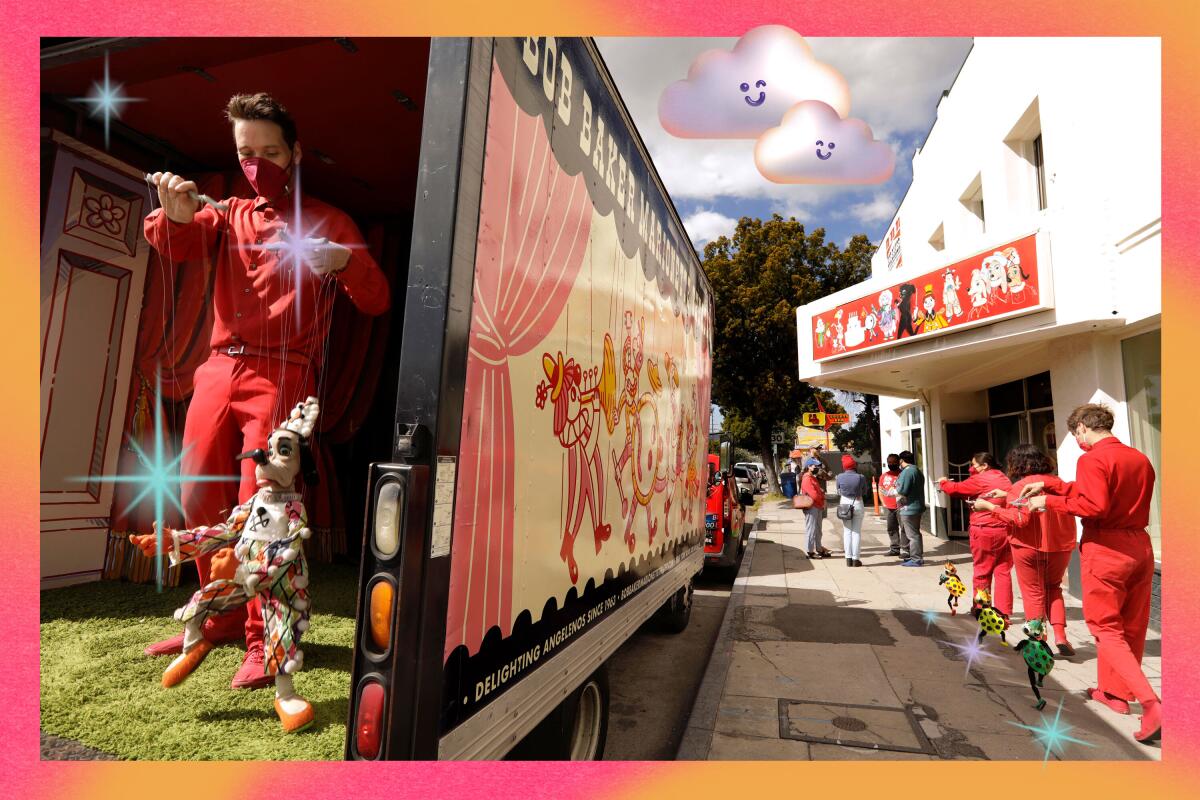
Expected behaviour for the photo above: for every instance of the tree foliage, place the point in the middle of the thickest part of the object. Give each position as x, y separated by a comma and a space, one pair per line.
863, 436
759, 277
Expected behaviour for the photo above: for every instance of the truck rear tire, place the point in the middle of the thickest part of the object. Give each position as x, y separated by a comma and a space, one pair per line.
575, 730
677, 611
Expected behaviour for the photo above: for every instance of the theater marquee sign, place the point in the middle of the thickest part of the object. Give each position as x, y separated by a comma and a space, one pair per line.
1003, 281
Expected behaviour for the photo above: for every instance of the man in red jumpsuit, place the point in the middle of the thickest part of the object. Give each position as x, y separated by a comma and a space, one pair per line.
273, 295
1111, 493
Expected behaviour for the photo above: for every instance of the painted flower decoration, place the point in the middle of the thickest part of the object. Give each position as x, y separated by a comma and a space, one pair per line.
102, 213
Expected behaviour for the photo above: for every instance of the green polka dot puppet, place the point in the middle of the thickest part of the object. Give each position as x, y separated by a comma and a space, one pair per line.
1038, 657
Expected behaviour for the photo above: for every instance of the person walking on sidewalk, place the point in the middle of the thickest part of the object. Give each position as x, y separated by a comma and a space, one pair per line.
1111, 493
852, 487
991, 557
1041, 543
910, 502
814, 515
898, 544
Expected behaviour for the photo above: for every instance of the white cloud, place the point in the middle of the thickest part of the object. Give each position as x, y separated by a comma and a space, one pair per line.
894, 86
880, 208
743, 92
705, 226
814, 145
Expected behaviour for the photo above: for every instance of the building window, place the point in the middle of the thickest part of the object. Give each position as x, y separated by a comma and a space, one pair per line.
1142, 360
1022, 412
911, 421
938, 240
1039, 168
972, 201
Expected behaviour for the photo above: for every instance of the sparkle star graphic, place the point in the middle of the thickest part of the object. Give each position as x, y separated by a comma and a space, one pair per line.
972, 650
930, 617
1053, 735
300, 245
161, 479
106, 99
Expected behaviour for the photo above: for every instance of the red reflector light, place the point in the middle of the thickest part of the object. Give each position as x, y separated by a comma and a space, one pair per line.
369, 724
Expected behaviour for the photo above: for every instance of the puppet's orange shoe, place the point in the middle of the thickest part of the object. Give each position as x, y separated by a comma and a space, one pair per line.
185, 664
298, 719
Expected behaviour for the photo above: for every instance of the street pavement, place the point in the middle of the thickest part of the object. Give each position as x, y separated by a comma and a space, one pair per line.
819, 661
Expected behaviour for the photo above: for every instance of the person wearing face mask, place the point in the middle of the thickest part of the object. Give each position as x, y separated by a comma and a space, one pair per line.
991, 557
898, 544
273, 254
1111, 493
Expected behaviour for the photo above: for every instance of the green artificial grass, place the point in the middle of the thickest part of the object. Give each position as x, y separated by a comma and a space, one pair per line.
99, 689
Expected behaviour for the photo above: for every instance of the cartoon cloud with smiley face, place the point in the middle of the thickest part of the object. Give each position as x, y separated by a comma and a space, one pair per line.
814, 144
744, 92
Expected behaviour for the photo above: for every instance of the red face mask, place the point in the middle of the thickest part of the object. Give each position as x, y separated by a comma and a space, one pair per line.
268, 178
1084, 446
972, 470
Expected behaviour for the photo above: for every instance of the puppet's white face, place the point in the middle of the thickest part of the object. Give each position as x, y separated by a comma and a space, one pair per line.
929, 304
283, 462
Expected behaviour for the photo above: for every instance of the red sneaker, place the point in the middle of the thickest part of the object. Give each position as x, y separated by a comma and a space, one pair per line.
1151, 729
1114, 703
252, 675
174, 645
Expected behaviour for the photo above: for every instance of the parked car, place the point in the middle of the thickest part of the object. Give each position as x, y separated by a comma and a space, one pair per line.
757, 474
725, 517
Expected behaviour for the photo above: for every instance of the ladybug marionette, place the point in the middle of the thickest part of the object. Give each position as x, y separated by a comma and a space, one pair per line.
954, 586
1038, 657
990, 620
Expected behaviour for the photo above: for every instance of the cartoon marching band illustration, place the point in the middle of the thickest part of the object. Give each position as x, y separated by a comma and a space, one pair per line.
653, 417
994, 284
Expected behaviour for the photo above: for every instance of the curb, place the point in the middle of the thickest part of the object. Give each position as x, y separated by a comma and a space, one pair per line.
697, 735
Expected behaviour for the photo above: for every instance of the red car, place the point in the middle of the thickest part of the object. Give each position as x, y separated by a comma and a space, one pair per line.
724, 518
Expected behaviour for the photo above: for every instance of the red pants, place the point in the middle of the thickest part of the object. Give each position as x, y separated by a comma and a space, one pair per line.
1040, 577
238, 401
992, 559
1117, 570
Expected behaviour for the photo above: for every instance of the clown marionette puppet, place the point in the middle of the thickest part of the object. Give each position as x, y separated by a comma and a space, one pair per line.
266, 532
954, 586
1039, 659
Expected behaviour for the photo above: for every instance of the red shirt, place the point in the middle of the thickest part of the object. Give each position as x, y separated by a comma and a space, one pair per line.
810, 487
974, 486
254, 293
1112, 489
1045, 531
887, 487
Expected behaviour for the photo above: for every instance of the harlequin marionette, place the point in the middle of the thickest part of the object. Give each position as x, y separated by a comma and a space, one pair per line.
990, 620
954, 586
1039, 659
266, 532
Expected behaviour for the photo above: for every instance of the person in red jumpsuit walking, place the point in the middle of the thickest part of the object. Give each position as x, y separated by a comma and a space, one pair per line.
990, 554
279, 260
1041, 541
1111, 493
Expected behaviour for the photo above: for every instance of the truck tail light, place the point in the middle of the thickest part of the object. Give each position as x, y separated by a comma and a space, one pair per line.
382, 595
368, 724
389, 508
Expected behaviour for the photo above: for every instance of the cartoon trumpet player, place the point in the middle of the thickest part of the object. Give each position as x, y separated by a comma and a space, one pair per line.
266, 532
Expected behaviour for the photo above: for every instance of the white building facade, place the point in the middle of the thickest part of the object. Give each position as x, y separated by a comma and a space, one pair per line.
1029, 242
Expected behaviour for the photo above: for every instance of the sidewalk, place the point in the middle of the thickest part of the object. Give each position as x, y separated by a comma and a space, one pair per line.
818, 661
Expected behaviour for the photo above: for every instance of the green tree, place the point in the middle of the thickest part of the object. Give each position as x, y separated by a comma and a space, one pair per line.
863, 435
759, 277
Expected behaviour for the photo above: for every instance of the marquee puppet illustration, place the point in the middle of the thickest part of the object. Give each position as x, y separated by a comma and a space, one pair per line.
575, 397
267, 533
950, 286
1017, 277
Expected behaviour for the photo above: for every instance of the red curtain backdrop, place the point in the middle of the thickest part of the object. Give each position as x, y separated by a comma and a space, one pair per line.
533, 230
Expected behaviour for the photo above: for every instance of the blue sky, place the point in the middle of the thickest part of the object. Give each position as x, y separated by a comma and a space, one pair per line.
895, 85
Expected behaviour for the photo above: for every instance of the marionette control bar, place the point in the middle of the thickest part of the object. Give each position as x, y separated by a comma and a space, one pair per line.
199, 198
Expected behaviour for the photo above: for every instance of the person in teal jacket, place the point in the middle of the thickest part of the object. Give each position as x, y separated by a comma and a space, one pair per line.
910, 503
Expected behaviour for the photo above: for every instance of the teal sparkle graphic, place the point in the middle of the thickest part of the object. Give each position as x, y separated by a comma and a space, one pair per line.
161, 479
1053, 735
972, 650
106, 99
930, 617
